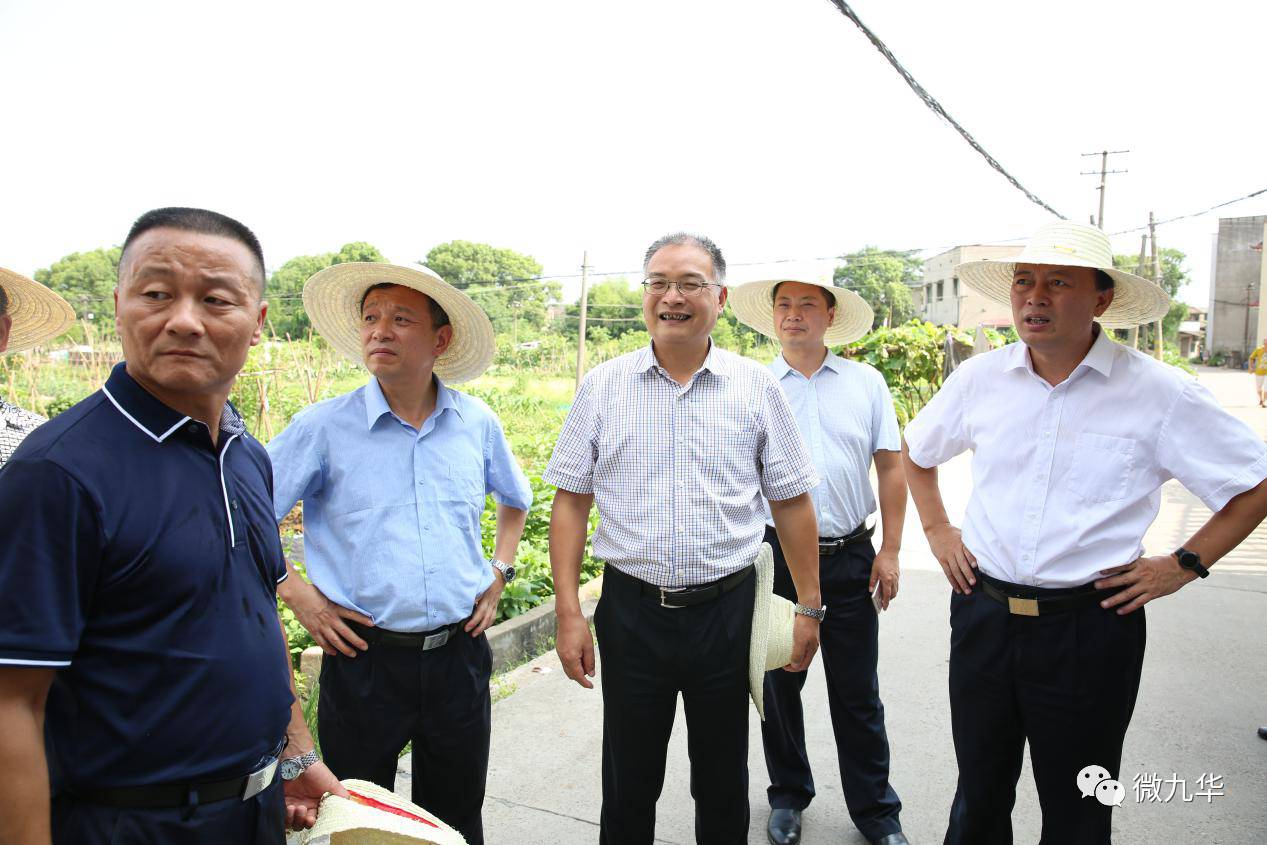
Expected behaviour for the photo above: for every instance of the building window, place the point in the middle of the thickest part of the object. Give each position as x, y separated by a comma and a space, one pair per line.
940, 290
956, 287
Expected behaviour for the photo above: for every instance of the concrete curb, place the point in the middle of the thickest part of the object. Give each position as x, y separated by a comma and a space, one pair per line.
513, 642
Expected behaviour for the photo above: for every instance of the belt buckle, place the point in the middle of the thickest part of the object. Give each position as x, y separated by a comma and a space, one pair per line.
665, 592
1022, 607
258, 781
435, 640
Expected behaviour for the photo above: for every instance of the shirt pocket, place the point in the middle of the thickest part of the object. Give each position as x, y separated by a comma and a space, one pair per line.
1102, 467
462, 497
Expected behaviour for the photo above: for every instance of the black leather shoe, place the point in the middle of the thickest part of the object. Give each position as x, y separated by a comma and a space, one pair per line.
898, 838
784, 827
1262, 733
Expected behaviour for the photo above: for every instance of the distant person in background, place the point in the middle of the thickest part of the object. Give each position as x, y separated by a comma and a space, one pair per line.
1258, 366
29, 315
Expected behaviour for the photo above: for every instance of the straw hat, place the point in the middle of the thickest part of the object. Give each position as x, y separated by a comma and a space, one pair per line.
38, 313
332, 298
754, 306
374, 816
770, 646
1136, 300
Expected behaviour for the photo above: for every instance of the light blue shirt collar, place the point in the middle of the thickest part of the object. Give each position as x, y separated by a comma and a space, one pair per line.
780, 367
376, 403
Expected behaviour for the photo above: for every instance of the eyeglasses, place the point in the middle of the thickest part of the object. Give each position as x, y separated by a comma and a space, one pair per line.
659, 287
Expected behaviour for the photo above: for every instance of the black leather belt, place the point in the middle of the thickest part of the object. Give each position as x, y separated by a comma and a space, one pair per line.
184, 794
688, 596
424, 641
1021, 600
831, 545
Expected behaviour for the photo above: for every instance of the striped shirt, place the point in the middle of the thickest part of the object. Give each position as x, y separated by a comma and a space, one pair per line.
678, 471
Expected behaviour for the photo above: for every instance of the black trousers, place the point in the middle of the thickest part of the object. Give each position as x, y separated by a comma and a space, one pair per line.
258, 821
373, 704
1066, 683
649, 655
849, 647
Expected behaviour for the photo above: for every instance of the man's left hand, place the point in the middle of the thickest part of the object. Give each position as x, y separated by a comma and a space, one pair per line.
884, 571
1143, 580
304, 794
804, 643
486, 606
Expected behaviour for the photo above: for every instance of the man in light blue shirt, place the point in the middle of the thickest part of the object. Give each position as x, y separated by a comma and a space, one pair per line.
393, 477
845, 413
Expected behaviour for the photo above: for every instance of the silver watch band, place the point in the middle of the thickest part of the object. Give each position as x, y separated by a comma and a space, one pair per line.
805, 610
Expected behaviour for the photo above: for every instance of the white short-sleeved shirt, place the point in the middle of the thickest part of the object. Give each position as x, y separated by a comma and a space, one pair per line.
1065, 479
845, 412
678, 471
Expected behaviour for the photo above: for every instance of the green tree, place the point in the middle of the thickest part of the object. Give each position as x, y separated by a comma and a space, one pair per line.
615, 309
505, 283
883, 277
87, 281
1173, 274
285, 288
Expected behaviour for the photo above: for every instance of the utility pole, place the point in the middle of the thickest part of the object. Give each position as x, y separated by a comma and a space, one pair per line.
1133, 332
1158, 341
1249, 292
580, 341
1104, 171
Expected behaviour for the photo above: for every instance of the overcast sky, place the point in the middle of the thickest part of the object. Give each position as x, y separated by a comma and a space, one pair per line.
559, 126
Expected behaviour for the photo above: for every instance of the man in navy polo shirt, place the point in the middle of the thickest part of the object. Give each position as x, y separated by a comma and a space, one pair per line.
144, 680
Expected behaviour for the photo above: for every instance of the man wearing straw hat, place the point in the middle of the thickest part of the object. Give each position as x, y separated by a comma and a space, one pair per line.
139, 634
1072, 436
676, 443
393, 477
846, 415
29, 315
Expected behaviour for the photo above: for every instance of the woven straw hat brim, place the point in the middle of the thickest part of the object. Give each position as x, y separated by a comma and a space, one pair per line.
753, 307
1135, 300
342, 821
332, 298
38, 314
760, 627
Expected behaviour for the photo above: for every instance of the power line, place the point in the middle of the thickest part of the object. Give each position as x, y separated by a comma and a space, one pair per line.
935, 106
1196, 213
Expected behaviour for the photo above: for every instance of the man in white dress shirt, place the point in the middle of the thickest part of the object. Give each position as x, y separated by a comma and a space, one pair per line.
845, 412
1072, 436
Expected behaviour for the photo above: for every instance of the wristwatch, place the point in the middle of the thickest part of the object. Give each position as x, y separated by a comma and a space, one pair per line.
806, 610
293, 767
1190, 560
507, 570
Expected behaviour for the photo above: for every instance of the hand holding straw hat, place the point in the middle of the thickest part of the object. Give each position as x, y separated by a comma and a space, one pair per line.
773, 618
374, 816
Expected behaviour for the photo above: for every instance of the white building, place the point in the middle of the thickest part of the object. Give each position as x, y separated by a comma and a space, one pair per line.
944, 301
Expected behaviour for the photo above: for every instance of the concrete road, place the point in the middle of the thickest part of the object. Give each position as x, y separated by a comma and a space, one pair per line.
1203, 694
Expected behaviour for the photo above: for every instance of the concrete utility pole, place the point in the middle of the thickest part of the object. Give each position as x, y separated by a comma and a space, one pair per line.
1249, 293
580, 341
1104, 171
1158, 341
1133, 332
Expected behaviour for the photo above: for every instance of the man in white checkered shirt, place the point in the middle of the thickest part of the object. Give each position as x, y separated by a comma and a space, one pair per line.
676, 443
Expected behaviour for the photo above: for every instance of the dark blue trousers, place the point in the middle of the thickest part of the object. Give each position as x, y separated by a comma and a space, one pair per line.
849, 650
258, 821
1064, 682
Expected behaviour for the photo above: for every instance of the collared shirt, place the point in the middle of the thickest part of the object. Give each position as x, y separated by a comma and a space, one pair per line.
845, 413
140, 561
392, 513
15, 425
677, 471
1065, 479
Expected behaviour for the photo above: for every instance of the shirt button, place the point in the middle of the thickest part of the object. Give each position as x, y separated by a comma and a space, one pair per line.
234, 504
680, 483
1025, 556
681, 530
